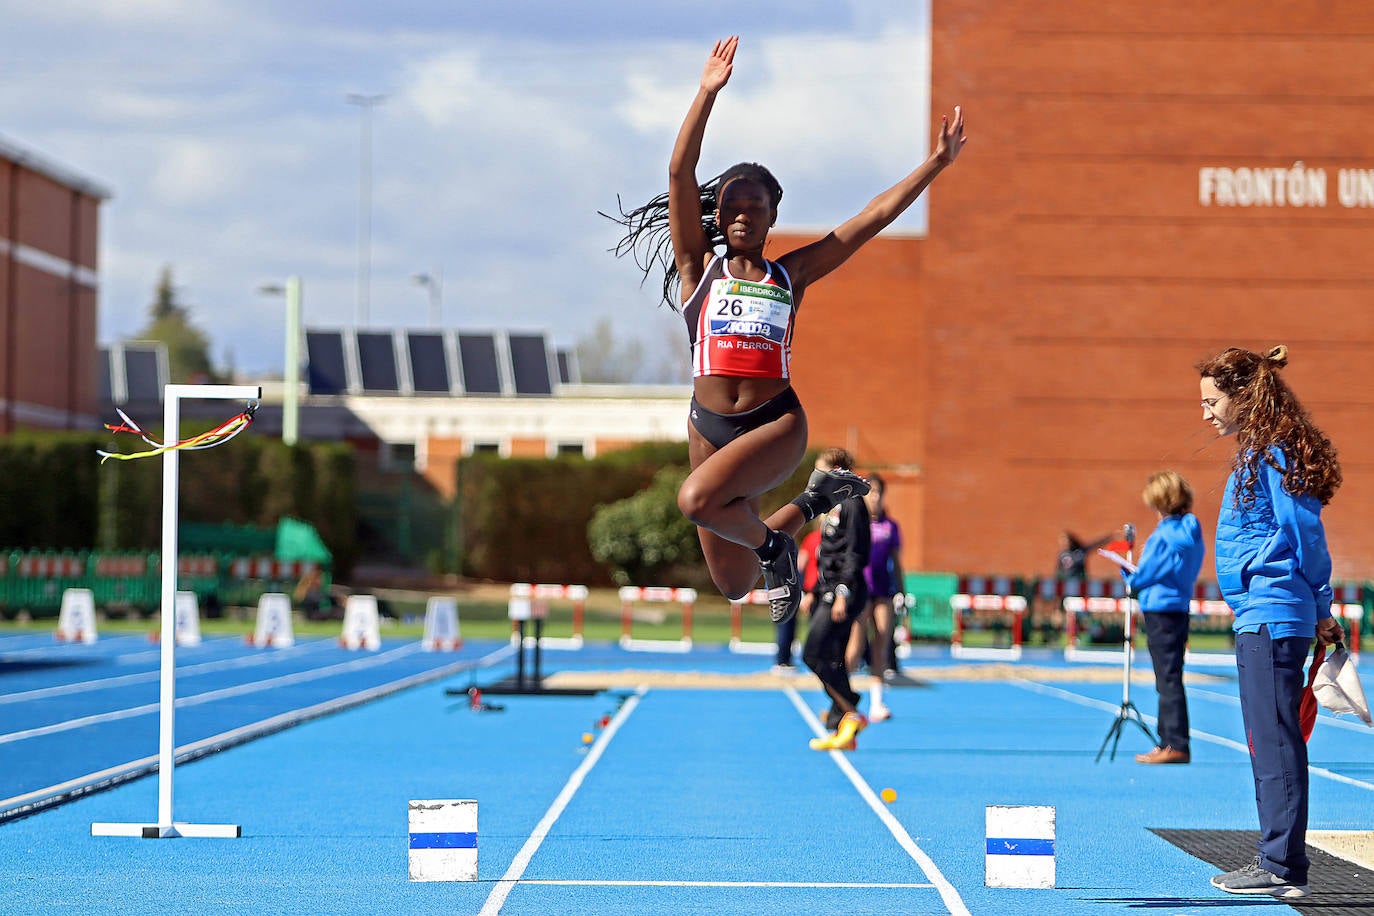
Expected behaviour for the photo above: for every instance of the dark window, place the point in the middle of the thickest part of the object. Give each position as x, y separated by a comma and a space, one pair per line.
377, 362
477, 355
141, 372
529, 359
567, 368
104, 391
428, 363
324, 352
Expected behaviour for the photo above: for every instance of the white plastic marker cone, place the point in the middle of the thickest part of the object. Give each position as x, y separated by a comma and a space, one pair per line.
76, 620
361, 624
274, 622
441, 624
1020, 846
443, 840
188, 619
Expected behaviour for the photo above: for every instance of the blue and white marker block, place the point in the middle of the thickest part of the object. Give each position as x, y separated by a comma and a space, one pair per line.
443, 840
1020, 846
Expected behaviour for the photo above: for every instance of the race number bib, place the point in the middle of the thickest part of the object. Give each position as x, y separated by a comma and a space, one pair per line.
741, 308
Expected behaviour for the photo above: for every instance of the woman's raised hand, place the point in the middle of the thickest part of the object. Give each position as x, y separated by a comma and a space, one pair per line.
951, 139
719, 64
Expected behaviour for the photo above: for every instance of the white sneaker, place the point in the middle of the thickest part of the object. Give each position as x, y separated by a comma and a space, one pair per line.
879, 713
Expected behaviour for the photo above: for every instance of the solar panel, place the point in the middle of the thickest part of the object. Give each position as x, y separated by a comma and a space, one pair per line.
142, 371
104, 387
327, 371
428, 363
568, 371
377, 362
481, 371
529, 361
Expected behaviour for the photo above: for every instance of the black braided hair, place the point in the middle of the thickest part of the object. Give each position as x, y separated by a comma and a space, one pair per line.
648, 237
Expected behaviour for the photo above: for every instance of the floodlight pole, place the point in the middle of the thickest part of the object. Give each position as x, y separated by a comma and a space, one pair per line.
290, 415
166, 827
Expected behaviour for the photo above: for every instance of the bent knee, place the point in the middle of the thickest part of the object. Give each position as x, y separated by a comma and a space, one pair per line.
694, 501
735, 587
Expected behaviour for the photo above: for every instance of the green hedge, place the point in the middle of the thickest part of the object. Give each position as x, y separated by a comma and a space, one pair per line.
55, 493
527, 520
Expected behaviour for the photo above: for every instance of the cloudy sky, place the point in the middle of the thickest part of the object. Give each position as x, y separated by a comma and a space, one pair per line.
224, 131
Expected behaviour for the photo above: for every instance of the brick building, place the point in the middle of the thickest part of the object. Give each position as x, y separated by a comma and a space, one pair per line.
1144, 185
49, 227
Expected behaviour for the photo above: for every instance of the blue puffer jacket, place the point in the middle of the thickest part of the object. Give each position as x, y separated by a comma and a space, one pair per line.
1169, 564
1273, 565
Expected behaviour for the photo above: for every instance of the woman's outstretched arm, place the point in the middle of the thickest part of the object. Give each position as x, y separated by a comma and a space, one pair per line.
811, 262
690, 244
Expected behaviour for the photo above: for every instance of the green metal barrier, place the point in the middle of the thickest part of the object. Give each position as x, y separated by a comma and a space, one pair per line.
33, 581
928, 611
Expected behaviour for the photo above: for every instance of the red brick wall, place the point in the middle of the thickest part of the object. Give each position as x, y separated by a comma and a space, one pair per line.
47, 318
1072, 277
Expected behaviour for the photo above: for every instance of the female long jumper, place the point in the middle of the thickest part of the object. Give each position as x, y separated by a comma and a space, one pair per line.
747, 431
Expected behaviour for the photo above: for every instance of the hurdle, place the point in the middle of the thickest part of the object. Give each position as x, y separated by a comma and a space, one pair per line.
1349, 598
737, 643
522, 610
166, 826
539, 596
1097, 604
630, 594
978, 593
1207, 603
1015, 604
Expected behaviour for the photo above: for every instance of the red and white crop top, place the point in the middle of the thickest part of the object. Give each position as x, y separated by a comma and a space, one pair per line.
741, 327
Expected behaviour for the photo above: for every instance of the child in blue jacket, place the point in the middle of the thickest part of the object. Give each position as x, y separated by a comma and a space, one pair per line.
1274, 571
1163, 585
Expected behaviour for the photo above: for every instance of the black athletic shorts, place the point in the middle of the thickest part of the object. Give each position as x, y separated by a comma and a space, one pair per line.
721, 429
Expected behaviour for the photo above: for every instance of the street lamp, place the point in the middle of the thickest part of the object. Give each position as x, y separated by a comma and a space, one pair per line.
435, 284
365, 105
291, 377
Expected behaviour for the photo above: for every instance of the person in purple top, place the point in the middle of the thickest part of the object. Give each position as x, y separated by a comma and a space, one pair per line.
1274, 570
873, 631
1163, 585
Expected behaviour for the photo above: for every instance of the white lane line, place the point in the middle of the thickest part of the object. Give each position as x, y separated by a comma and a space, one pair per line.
822, 885
1037, 687
951, 897
1331, 720
219, 642
503, 887
112, 776
212, 695
57, 647
120, 680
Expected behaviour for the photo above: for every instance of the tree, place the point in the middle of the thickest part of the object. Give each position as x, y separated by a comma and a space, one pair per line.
188, 348
645, 539
603, 359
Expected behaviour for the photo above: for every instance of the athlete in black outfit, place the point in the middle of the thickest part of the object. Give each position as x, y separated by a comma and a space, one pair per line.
840, 595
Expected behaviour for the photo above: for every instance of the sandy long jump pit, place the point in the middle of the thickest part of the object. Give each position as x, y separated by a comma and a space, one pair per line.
911, 676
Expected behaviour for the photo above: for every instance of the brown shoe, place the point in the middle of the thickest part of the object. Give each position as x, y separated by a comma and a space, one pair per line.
1164, 754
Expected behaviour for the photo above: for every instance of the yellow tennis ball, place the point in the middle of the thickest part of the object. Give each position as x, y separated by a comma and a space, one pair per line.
889, 795
587, 738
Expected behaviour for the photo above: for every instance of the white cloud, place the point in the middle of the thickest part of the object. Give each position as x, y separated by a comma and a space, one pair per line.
223, 132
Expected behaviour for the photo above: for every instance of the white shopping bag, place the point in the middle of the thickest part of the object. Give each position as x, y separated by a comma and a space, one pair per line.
1337, 685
